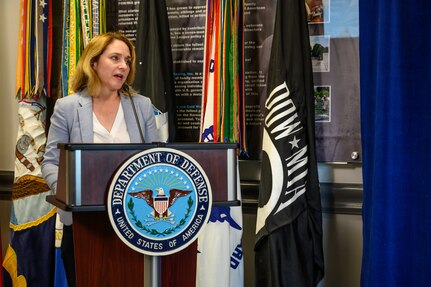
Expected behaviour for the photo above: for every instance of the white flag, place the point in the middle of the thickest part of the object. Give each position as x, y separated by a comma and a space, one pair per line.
220, 257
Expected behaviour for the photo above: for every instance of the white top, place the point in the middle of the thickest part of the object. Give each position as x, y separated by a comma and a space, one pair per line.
118, 133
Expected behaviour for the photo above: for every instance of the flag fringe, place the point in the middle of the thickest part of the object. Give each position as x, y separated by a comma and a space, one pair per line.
34, 223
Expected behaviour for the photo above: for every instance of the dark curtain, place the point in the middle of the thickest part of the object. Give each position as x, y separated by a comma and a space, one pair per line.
395, 67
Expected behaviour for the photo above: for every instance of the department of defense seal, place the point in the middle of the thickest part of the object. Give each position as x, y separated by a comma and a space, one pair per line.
159, 200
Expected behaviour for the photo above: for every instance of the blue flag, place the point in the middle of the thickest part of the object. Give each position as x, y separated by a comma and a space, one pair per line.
30, 255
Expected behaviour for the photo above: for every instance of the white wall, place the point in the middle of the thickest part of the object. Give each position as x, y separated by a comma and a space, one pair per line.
9, 23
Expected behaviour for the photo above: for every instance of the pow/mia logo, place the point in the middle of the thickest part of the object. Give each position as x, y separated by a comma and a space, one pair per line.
159, 200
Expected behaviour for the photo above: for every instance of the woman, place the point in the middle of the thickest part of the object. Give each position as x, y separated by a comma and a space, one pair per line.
103, 110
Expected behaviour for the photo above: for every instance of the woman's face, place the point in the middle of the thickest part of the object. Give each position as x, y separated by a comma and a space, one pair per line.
113, 66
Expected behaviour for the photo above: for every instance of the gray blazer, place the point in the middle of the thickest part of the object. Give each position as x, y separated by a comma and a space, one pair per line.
72, 122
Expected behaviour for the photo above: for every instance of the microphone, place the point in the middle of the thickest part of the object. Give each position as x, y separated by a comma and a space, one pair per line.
126, 89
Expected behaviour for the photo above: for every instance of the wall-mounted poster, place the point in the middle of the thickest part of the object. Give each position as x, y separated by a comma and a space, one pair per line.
187, 28
122, 16
258, 29
335, 58
334, 47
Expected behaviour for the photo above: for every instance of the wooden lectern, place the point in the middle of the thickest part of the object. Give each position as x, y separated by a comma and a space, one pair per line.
101, 258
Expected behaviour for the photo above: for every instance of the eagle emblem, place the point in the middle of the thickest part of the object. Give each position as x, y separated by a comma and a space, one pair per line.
161, 202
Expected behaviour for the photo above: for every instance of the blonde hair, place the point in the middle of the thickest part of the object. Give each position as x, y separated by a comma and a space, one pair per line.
86, 78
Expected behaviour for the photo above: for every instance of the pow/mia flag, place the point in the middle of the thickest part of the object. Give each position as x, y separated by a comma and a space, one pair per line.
288, 245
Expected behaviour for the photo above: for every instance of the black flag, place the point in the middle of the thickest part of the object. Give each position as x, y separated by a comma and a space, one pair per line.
288, 250
154, 68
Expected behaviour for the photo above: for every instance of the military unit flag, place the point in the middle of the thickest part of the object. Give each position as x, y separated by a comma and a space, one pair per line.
221, 242
222, 114
154, 66
29, 257
223, 121
82, 20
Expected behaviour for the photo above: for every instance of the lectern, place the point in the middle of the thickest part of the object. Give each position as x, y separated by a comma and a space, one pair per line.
101, 258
